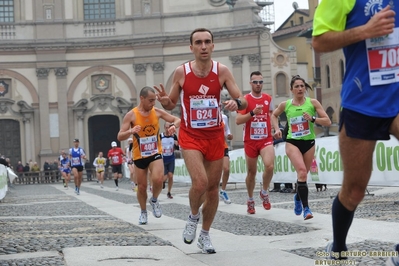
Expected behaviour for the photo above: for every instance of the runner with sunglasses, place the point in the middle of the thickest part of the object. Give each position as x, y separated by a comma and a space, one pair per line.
258, 139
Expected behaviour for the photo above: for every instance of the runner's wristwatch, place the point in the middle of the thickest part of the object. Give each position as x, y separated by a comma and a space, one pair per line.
238, 101
313, 119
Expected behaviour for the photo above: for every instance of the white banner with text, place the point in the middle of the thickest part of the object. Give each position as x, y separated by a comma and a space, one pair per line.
326, 167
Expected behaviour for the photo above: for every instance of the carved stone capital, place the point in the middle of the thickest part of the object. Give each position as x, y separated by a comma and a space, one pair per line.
140, 68
80, 109
61, 71
158, 67
80, 116
42, 72
236, 60
254, 58
27, 118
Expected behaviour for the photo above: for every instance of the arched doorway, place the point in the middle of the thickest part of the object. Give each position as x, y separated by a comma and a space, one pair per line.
10, 141
103, 129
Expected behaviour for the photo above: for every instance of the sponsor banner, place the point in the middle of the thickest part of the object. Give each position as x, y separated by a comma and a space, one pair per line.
326, 167
3, 181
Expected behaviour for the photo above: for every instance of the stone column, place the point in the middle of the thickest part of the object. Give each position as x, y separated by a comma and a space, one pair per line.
80, 118
62, 90
236, 60
28, 138
266, 62
158, 69
140, 70
42, 75
254, 62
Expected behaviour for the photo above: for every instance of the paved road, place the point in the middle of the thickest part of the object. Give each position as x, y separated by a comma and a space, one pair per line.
48, 225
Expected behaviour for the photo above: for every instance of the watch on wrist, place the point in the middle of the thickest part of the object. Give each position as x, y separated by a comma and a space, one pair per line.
238, 101
313, 119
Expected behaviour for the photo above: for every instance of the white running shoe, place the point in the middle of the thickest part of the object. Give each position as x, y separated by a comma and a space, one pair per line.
205, 244
143, 218
190, 231
117, 188
156, 208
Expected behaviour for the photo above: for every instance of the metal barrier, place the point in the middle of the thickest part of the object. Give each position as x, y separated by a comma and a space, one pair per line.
54, 176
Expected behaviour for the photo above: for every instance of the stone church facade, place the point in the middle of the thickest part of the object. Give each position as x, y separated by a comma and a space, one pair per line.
73, 68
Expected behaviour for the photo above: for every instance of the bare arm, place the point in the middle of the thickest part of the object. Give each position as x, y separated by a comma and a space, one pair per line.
226, 78
169, 118
274, 119
322, 118
242, 118
169, 101
379, 25
125, 132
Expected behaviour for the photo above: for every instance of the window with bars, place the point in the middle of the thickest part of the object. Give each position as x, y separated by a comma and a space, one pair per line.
6, 11
99, 9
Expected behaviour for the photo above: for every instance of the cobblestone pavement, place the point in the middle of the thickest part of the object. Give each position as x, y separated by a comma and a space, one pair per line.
39, 218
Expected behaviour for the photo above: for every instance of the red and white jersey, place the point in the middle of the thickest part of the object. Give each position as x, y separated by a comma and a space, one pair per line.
200, 109
116, 156
259, 126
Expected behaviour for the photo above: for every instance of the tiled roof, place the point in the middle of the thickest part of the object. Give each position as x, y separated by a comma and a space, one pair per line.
296, 29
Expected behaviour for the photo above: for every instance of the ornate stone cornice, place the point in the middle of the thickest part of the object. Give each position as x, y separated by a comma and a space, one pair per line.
42, 72
158, 67
5, 106
236, 60
123, 105
61, 71
115, 42
80, 108
140, 68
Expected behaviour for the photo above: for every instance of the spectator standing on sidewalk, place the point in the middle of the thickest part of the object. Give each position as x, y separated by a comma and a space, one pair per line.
46, 169
35, 172
89, 170
20, 172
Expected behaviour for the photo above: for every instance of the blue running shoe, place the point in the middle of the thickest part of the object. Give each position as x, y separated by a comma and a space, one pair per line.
307, 214
223, 195
298, 206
